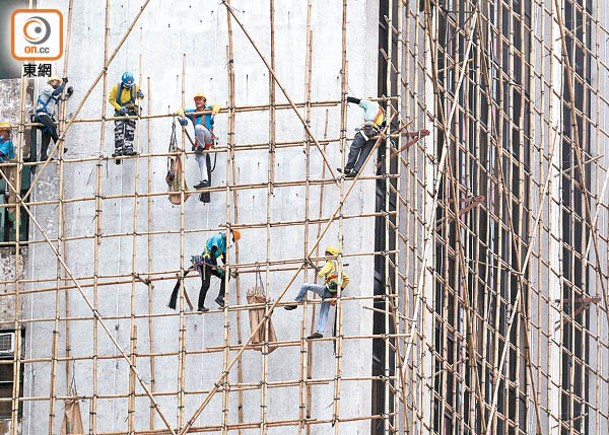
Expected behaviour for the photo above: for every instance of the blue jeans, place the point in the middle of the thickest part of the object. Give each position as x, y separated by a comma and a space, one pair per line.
322, 291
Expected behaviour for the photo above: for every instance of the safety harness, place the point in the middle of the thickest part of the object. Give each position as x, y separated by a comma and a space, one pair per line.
129, 104
46, 103
371, 129
47, 128
332, 279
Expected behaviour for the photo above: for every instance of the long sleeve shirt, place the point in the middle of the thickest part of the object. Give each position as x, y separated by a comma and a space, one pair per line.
49, 98
123, 97
6, 150
373, 112
330, 274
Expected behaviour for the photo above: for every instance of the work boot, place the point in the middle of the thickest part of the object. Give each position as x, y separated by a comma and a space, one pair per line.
290, 307
203, 309
351, 174
118, 152
220, 301
130, 152
314, 336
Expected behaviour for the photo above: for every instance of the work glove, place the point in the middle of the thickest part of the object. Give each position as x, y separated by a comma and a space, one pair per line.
140, 94
65, 80
353, 100
124, 111
180, 113
69, 91
183, 122
215, 109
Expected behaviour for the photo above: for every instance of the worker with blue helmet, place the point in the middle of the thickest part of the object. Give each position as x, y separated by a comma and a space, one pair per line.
123, 97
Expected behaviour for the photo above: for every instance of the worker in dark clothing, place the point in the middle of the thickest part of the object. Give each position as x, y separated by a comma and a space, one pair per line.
207, 265
45, 114
124, 98
363, 142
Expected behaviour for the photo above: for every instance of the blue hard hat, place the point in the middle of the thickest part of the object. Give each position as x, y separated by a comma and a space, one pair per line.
127, 79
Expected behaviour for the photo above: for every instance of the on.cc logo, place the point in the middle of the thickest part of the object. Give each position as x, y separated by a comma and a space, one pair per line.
37, 34
36, 30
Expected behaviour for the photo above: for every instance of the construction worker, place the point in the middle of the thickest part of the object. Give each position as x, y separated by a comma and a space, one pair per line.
215, 248
123, 97
328, 291
204, 136
363, 142
48, 100
7, 151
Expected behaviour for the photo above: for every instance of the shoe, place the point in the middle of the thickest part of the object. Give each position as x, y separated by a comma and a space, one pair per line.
203, 309
351, 174
314, 336
344, 171
290, 307
220, 301
43, 158
117, 153
201, 184
130, 152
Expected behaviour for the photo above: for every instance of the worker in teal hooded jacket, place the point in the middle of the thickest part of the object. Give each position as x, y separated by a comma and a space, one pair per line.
207, 265
363, 142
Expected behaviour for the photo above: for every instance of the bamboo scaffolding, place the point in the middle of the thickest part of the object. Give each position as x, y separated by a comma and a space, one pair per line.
479, 313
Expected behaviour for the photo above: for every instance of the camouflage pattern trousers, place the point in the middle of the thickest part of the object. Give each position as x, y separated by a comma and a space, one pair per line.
124, 134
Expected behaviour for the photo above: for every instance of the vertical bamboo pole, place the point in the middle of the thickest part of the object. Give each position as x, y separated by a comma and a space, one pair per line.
387, 201
306, 352
230, 173
16, 320
149, 257
62, 213
269, 203
182, 333
400, 400
98, 226
133, 302
131, 399
338, 361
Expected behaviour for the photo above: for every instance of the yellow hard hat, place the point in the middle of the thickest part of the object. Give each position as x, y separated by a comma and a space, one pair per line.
236, 235
199, 95
332, 250
53, 78
5, 125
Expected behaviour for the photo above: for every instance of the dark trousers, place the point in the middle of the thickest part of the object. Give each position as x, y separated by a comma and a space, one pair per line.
207, 272
360, 148
124, 134
49, 131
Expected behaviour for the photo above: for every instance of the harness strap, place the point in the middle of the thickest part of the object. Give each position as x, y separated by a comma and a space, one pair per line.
120, 94
45, 104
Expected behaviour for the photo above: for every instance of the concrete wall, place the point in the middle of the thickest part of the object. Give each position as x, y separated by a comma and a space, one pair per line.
155, 49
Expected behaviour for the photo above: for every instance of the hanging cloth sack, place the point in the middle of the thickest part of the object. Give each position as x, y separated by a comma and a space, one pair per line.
175, 175
257, 295
72, 421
